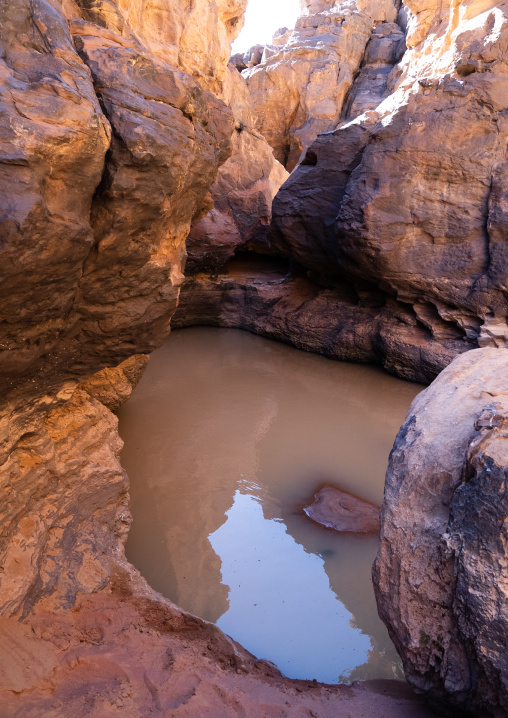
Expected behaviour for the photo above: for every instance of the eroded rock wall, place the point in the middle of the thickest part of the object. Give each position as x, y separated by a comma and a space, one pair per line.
108, 150
108, 153
413, 200
298, 89
243, 193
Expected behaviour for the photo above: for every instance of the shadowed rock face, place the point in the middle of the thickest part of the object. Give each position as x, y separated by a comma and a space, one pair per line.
440, 574
412, 197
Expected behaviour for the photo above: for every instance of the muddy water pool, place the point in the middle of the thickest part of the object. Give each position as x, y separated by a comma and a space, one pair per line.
227, 437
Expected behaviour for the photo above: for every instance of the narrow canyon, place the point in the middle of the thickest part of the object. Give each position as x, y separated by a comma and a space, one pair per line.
342, 189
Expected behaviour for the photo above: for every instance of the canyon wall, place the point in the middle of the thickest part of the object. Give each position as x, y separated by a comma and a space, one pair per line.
393, 222
110, 143
386, 244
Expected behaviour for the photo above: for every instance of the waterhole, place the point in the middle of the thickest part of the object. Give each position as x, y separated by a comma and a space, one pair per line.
227, 437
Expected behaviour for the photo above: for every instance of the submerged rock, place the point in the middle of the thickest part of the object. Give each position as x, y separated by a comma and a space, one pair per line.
341, 511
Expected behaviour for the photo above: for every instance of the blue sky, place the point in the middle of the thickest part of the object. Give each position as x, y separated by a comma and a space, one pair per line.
262, 19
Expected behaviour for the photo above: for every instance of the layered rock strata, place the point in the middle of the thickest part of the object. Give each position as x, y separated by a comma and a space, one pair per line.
440, 574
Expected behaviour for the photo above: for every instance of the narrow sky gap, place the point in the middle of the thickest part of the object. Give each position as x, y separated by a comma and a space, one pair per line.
262, 19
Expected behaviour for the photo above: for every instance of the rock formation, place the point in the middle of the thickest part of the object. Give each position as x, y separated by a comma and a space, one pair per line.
440, 573
393, 223
413, 202
73, 216
110, 143
242, 194
386, 245
298, 89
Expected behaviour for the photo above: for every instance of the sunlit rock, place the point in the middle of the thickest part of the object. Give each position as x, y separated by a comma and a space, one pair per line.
299, 88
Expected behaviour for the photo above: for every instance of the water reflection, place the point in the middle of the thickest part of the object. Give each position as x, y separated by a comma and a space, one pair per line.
271, 603
227, 436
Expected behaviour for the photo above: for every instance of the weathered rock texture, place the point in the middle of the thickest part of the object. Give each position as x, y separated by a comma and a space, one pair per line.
93, 243
194, 36
408, 197
441, 572
401, 209
262, 295
108, 148
298, 89
243, 192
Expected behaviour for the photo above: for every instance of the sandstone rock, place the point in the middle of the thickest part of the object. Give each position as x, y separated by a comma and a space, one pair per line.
299, 88
341, 511
242, 194
337, 321
193, 36
91, 273
250, 58
53, 143
384, 50
113, 386
440, 574
414, 186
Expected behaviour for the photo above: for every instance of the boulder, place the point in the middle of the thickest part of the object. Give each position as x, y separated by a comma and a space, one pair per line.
441, 574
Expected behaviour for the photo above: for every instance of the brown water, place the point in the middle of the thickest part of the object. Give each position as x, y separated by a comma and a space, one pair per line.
226, 437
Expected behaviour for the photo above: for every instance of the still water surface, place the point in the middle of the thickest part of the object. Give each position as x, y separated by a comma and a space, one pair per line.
227, 437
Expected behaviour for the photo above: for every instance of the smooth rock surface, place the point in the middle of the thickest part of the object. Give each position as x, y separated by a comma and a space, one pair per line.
440, 574
341, 511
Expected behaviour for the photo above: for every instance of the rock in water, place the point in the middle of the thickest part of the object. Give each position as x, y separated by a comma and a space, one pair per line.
341, 511
441, 574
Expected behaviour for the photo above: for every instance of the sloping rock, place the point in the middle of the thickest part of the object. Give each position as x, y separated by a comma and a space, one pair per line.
440, 574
